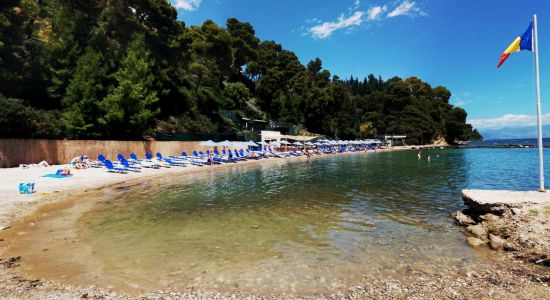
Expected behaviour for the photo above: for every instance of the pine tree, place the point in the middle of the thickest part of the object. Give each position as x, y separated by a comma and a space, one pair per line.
129, 106
85, 91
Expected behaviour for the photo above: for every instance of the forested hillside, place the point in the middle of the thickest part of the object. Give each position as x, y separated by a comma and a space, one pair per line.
124, 69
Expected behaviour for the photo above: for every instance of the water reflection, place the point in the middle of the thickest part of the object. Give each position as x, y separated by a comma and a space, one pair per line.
312, 226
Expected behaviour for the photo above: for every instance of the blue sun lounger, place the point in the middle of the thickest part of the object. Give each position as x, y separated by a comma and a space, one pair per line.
193, 161
195, 154
143, 163
169, 161
134, 158
217, 159
126, 164
100, 161
227, 160
111, 168
238, 156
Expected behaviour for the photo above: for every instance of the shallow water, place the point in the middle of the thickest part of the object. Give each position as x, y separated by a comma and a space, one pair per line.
315, 226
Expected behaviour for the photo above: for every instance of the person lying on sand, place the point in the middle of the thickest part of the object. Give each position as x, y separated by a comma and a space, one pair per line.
81, 162
42, 164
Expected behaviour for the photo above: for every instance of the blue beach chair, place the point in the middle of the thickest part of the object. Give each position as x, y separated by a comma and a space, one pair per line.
237, 155
127, 165
100, 161
111, 168
192, 160
169, 161
225, 157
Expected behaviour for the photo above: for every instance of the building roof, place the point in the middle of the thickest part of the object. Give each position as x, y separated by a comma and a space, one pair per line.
302, 138
394, 136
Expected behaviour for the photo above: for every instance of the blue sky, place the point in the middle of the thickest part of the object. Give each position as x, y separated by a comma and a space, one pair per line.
455, 43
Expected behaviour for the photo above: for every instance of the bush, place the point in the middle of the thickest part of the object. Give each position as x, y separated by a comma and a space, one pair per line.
186, 124
18, 120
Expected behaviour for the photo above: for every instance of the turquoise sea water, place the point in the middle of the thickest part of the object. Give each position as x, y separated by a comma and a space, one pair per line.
313, 226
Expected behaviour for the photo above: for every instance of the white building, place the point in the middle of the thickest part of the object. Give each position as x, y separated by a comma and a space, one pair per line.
393, 139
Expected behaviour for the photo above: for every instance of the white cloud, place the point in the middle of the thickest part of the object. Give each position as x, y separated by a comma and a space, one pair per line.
460, 102
327, 28
404, 8
358, 17
375, 12
509, 120
313, 21
188, 5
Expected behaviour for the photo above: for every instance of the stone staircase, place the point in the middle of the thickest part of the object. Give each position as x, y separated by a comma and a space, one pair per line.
263, 115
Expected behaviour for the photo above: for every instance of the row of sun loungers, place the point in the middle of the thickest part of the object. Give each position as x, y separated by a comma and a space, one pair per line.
135, 164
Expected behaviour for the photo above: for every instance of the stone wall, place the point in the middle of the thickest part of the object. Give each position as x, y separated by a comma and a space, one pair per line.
26, 151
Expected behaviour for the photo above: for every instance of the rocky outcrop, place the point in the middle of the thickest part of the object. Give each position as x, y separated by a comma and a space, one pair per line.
440, 142
497, 202
478, 231
496, 242
516, 222
462, 219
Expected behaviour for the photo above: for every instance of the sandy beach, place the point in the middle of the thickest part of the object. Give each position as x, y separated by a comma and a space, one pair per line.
523, 281
14, 204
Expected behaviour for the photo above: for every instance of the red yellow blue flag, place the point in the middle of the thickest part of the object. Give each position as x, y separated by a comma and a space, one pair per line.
523, 42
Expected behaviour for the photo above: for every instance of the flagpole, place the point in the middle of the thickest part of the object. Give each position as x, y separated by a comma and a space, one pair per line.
539, 114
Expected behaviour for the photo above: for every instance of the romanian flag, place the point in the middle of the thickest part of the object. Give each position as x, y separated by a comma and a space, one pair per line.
523, 42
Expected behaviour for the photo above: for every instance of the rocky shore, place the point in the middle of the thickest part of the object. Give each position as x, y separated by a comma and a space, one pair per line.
514, 222
510, 280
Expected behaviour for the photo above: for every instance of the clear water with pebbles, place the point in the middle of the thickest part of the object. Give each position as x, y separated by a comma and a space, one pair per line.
313, 226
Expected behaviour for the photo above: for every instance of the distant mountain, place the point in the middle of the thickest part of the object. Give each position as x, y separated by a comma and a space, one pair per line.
514, 133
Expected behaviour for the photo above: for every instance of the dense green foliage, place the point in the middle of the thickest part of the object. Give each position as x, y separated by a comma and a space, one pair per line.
129, 68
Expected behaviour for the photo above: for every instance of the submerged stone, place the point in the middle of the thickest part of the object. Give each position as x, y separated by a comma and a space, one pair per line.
478, 231
475, 242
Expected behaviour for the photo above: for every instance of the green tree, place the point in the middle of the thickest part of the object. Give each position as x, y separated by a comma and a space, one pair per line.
237, 93
129, 106
367, 130
84, 94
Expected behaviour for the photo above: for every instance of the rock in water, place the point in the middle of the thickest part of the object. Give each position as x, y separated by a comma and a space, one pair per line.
475, 242
462, 219
478, 231
496, 242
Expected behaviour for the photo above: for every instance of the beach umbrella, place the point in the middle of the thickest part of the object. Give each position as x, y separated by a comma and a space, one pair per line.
297, 144
208, 143
285, 143
274, 143
309, 144
225, 143
263, 143
251, 144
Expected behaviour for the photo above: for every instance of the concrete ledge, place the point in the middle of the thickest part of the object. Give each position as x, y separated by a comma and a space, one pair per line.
497, 201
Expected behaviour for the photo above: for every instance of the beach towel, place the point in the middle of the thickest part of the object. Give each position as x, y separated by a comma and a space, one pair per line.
57, 176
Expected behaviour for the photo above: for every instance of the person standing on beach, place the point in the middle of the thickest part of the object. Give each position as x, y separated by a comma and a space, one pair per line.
419, 155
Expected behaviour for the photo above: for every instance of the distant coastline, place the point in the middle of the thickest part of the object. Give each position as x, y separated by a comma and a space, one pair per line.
509, 143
